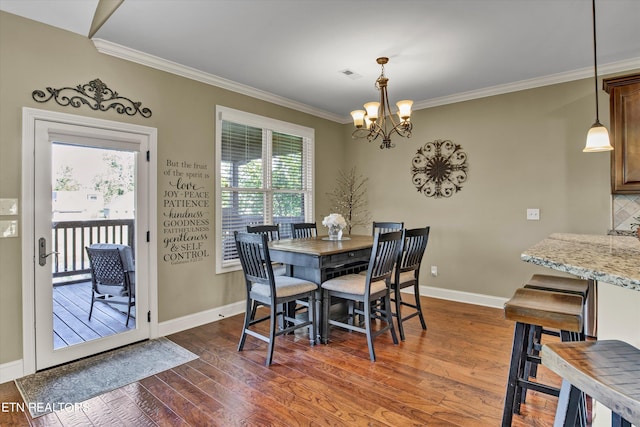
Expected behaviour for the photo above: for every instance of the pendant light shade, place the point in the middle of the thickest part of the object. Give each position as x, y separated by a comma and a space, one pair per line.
597, 139
598, 135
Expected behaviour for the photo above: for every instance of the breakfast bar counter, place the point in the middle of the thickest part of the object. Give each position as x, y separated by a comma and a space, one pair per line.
611, 259
612, 266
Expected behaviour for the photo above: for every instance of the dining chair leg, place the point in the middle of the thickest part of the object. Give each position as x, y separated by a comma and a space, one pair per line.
367, 325
398, 301
416, 293
312, 318
282, 323
249, 312
272, 335
389, 316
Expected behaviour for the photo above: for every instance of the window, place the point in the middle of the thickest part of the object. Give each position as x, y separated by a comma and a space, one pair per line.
264, 176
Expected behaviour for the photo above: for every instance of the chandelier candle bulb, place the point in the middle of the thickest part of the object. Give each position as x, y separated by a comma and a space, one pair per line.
372, 110
404, 109
358, 118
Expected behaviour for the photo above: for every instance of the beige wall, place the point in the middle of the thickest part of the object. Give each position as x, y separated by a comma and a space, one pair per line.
524, 151
34, 56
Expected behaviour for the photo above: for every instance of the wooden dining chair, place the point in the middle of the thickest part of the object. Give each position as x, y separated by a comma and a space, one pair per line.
274, 292
370, 291
385, 227
407, 273
302, 230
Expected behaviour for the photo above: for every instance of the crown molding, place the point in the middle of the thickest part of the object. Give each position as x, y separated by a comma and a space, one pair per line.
583, 73
132, 55
158, 63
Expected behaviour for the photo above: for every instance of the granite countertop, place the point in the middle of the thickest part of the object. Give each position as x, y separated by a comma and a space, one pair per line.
610, 259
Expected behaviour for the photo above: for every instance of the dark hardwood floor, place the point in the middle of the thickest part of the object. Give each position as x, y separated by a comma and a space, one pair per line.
71, 325
453, 374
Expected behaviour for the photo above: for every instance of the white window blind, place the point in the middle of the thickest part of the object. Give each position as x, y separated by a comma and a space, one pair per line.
265, 176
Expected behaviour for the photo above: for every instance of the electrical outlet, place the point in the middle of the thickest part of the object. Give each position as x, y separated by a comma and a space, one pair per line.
434, 270
533, 214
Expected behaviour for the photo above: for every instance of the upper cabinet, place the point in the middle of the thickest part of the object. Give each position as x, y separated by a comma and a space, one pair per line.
624, 97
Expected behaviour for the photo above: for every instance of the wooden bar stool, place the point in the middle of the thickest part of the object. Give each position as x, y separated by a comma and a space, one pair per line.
552, 283
567, 285
536, 308
608, 371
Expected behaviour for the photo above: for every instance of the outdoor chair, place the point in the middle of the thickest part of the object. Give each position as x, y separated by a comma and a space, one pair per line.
112, 276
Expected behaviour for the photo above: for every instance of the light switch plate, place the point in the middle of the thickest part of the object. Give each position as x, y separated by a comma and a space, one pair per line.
8, 228
8, 206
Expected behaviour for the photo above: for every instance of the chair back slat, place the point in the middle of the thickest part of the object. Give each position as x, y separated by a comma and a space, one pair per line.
272, 231
304, 230
384, 254
415, 244
386, 227
253, 251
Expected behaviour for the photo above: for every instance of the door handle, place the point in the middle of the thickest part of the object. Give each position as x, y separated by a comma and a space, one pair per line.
42, 252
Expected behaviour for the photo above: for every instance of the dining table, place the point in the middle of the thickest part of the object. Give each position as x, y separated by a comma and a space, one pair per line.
320, 258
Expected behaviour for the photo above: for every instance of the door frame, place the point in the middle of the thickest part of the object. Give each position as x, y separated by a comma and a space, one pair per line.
29, 118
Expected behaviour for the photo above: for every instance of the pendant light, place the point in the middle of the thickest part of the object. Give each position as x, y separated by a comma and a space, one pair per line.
598, 136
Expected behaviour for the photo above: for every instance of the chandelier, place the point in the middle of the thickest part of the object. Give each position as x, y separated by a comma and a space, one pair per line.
376, 120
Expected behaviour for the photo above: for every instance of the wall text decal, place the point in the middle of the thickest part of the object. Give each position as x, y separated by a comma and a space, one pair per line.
186, 212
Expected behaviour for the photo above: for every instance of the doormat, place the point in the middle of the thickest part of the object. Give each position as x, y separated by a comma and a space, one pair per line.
65, 387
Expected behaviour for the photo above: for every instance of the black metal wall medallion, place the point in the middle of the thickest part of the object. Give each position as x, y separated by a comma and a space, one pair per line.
439, 168
96, 95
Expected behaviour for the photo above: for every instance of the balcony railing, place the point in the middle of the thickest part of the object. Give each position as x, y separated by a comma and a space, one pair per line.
69, 239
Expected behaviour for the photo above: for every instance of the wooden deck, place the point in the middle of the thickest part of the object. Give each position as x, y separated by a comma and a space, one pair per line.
71, 324
453, 374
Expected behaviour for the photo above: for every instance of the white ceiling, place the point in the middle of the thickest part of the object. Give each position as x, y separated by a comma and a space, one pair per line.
295, 50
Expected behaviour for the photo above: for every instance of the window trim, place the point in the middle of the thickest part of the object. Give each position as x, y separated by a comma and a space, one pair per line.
265, 123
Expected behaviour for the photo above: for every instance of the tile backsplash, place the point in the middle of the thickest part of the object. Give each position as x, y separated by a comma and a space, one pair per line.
625, 207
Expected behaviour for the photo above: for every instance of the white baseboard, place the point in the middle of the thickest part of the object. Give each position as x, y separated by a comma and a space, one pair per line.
10, 371
460, 296
192, 320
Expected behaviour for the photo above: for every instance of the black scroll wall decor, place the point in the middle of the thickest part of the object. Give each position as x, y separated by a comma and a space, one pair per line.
439, 169
96, 95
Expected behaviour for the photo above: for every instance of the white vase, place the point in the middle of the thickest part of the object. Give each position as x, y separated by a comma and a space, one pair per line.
335, 232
